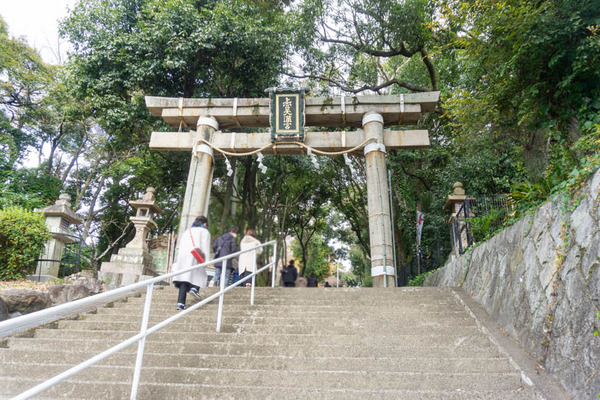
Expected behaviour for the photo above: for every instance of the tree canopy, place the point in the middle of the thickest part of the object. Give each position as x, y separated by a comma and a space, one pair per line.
519, 111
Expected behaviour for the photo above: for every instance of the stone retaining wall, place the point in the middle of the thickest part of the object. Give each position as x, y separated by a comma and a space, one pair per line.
540, 280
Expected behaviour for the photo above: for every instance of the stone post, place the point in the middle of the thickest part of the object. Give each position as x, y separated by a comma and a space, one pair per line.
58, 218
455, 200
199, 182
380, 228
134, 260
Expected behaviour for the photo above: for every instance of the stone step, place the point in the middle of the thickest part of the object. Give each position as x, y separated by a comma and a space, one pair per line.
213, 337
329, 292
407, 343
278, 378
346, 309
298, 297
467, 350
333, 302
128, 312
416, 327
266, 306
265, 319
406, 364
298, 292
326, 330
79, 390
298, 312
341, 303
245, 297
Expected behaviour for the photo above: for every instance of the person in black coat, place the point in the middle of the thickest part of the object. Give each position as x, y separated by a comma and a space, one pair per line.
312, 281
289, 275
223, 246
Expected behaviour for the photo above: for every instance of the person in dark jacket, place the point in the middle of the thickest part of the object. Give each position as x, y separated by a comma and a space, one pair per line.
289, 275
224, 246
312, 281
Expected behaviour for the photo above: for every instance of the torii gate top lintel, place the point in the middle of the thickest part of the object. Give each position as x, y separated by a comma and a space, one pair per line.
401, 109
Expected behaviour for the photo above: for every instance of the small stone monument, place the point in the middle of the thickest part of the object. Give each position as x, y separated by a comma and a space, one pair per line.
134, 260
58, 218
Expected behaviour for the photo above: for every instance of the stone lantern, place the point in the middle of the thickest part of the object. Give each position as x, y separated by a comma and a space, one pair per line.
134, 260
461, 238
58, 218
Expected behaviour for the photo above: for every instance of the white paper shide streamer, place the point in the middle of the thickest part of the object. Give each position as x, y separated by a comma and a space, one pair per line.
349, 164
229, 169
261, 166
313, 158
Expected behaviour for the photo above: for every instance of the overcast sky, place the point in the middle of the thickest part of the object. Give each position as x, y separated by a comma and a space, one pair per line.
37, 21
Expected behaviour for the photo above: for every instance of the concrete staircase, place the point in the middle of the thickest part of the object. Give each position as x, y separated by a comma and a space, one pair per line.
411, 343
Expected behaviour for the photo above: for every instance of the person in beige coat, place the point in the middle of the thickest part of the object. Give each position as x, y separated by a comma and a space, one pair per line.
246, 261
197, 236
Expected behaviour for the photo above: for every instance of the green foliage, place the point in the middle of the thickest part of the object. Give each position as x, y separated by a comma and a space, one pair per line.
482, 226
24, 78
419, 279
23, 235
29, 188
565, 174
342, 41
125, 50
350, 278
519, 110
533, 83
317, 261
360, 266
526, 195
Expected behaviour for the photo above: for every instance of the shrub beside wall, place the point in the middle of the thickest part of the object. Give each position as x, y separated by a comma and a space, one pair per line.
23, 234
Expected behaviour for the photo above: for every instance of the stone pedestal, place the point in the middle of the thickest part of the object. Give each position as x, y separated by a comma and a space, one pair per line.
58, 218
134, 262
127, 267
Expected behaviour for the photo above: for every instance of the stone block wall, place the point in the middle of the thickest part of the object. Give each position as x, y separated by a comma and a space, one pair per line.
540, 279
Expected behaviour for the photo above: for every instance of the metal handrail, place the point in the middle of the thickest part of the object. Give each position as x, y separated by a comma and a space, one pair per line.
28, 321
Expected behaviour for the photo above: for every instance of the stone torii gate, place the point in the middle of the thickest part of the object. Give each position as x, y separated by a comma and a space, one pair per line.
371, 113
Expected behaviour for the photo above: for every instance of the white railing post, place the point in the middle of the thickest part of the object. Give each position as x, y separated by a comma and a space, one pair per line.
253, 278
222, 285
274, 264
140, 353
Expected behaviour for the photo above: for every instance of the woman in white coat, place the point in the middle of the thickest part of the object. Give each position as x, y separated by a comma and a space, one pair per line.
246, 261
196, 236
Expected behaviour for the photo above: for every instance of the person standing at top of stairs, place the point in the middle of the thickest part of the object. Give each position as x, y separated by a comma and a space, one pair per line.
289, 275
196, 236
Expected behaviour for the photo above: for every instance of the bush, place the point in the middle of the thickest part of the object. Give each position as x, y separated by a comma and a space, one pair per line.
419, 279
23, 235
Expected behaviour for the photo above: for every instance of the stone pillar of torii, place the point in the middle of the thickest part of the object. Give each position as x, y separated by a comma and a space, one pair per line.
371, 113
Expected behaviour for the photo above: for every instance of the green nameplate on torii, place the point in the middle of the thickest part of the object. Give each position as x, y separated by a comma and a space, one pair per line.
287, 114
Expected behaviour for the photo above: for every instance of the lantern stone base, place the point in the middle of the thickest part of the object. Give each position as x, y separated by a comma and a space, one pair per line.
41, 277
127, 267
